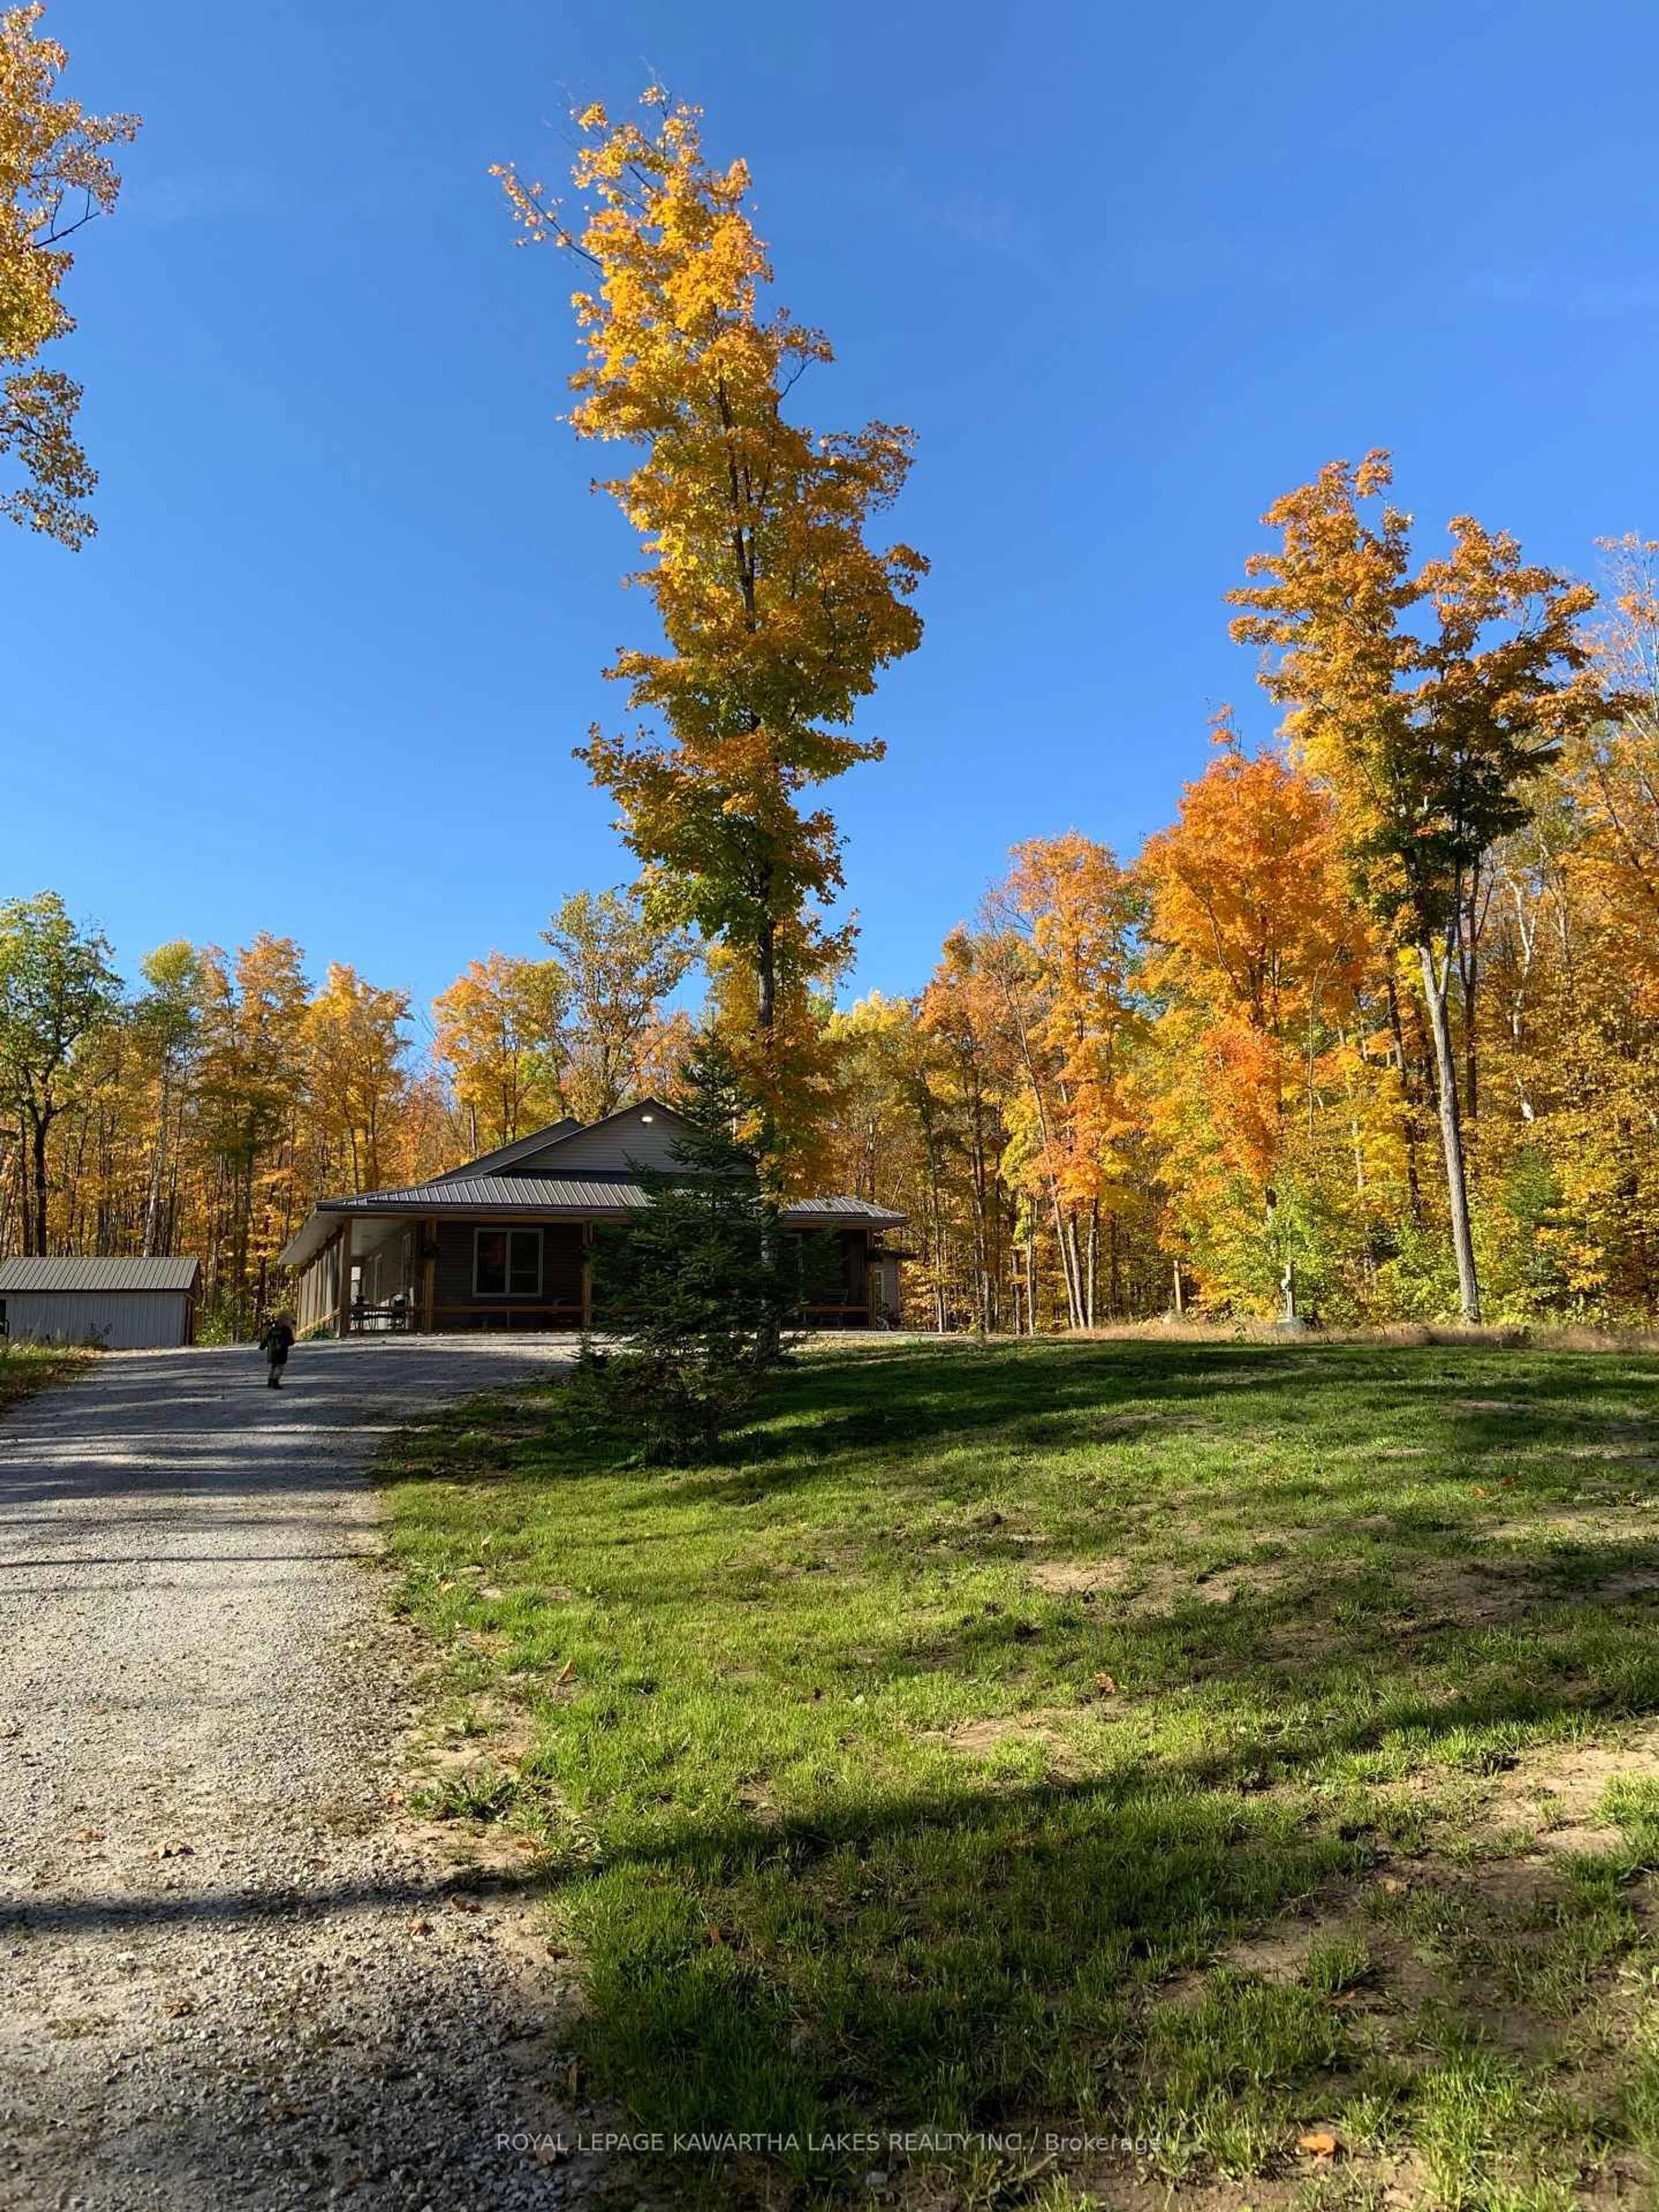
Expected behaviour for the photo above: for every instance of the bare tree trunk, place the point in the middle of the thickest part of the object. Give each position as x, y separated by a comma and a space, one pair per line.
157, 1175
1396, 1022
40, 1124
1434, 992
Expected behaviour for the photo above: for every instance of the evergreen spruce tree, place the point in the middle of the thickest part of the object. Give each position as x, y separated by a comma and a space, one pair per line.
703, 1283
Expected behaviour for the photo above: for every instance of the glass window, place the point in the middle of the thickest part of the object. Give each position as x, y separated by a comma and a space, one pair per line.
523, 1264
506, 1263
490, 1264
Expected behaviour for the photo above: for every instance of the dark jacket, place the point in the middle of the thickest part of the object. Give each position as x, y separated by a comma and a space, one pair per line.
276, 1343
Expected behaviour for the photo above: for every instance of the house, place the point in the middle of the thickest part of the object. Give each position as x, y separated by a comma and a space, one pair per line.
126, 1305
506, 1241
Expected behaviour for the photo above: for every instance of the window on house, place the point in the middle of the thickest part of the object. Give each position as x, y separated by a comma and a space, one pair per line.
506, 1263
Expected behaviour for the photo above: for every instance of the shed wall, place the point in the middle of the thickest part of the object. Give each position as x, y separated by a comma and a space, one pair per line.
121, 1320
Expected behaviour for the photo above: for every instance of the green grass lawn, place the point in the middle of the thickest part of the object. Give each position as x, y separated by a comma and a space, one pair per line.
1196, 1746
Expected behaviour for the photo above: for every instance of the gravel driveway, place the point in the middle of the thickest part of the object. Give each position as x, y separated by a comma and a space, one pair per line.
231, 1973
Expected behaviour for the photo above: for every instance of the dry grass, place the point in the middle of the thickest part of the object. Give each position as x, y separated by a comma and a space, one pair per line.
1504, 1336
26, 1368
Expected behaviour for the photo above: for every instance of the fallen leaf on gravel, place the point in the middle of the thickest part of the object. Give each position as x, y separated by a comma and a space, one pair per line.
419, 1927
1318, 2143
180, 2008
175, 1851
88, 1835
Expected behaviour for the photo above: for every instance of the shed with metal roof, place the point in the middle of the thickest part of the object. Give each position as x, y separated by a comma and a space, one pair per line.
124, 1305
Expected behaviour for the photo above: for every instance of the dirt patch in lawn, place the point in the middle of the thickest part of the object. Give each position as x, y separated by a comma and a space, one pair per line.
1050, 1727
1156, 1587
1557, 1789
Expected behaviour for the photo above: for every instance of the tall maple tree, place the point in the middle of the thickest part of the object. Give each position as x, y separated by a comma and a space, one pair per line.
1431, 700
55, 174
777, 617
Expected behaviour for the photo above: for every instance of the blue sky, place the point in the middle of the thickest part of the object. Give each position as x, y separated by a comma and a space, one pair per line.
1128, 271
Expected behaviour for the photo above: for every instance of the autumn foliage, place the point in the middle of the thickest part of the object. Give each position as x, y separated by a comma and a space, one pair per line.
1374, 1019
776, 615
57, 173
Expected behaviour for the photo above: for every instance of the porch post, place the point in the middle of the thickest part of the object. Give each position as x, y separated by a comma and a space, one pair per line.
342, 1311
588, 1276
428, 1277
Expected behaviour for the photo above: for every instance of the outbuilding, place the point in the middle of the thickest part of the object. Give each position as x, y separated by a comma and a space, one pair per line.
124, 1305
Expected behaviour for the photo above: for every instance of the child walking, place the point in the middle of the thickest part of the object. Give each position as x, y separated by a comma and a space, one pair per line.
276, 1344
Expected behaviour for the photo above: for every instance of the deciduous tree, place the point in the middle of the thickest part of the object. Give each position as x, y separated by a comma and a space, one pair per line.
617, 964
777, 617
1430, 700
58, 987
55, 174
498, 1038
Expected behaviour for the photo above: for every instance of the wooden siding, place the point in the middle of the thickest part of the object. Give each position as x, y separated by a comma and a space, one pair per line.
456, 1306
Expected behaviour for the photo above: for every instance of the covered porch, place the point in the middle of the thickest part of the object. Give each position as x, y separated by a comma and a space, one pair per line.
374, 1273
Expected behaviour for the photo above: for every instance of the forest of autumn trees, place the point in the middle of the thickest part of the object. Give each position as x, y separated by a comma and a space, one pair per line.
1125, 1088
1128, 1089
1377, 1014
206, 1106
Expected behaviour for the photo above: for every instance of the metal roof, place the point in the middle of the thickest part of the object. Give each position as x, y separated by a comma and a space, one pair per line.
67, 1274
577, 1194
577, 1197
542, 1194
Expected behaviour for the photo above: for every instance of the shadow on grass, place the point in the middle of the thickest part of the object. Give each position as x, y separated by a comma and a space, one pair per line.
805, 1908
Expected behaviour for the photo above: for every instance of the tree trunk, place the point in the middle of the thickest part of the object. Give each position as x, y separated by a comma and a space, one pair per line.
41, 1124
769, 1341
1414, 1188
1434, 993
157, 1175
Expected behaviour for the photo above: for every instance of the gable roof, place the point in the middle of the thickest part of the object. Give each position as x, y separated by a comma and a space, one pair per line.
106, 1274
514, 1180
523, 1150
544, 1197
520, 1148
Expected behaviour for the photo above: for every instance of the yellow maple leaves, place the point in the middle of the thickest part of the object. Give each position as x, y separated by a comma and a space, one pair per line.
777, 616
55, 174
